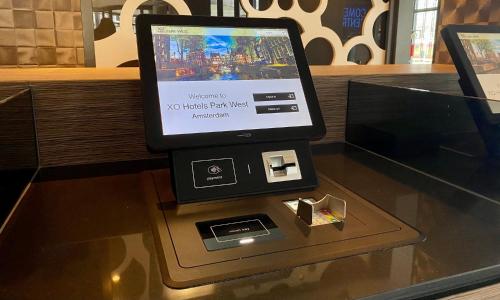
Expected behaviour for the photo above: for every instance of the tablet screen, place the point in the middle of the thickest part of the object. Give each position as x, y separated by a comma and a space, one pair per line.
216, 79
483, 52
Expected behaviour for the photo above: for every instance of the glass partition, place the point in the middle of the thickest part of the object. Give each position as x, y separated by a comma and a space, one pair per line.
18, 148
448, 137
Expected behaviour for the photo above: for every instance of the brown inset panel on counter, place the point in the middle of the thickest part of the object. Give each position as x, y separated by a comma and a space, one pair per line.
186, 262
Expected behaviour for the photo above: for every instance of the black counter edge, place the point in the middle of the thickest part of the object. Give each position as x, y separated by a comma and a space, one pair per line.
99, 169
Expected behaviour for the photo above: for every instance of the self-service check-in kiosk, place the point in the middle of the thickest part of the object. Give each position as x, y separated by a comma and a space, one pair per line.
233, 103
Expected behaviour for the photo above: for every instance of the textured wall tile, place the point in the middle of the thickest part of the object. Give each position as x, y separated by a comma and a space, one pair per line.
64, 38
24, 19
78, 37
22, 4
7, 37
481, 12
5, 4
8, 56
43, 4
40, 33
474, 11
44, 19
6, 18
45, 37
61, 5
66, 56
495, 14
76, 5
63, 20
25, 37
80, 56
26, 56
46, 56
77, 21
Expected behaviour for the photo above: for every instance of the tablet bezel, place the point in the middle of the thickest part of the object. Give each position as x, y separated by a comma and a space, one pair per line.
469, 81
158, 142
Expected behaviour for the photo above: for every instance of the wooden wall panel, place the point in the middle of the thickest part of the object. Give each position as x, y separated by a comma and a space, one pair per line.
11, 88
84, 122
88, 122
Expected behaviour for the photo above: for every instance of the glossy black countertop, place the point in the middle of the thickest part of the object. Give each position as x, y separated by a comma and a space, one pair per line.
90, 238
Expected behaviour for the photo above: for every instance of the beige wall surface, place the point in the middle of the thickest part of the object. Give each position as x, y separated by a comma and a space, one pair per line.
40, 33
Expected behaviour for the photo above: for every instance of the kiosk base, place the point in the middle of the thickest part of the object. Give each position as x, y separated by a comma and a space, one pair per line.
187, 258
238, 170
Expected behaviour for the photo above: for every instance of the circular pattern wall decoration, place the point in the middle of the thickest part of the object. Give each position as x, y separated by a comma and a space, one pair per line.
310, 21
121, 47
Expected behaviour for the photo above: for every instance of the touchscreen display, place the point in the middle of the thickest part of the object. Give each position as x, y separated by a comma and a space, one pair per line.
215, 79
483, 51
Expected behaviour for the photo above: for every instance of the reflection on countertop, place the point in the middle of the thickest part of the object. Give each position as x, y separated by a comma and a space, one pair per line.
90, 238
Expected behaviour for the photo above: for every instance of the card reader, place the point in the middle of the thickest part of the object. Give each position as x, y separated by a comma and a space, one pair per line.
281, 166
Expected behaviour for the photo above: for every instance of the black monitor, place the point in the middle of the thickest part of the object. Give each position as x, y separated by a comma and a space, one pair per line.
217, 81
475, 50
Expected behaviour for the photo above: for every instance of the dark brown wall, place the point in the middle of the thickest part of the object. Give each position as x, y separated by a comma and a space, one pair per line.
481, 12
101, 121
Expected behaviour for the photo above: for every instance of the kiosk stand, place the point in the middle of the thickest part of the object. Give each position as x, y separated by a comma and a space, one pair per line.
233, 103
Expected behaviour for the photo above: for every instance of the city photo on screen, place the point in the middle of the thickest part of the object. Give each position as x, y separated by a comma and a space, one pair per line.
199, 54
217, 79
483, 51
